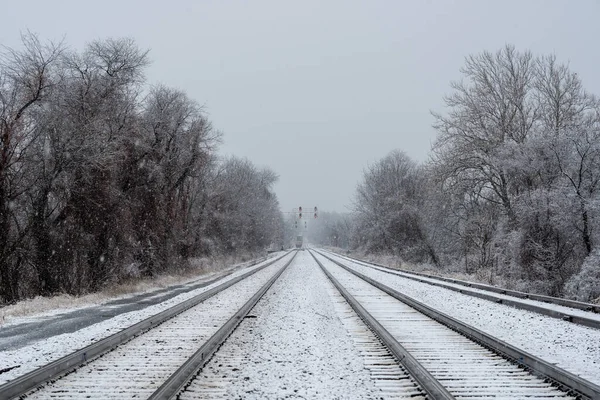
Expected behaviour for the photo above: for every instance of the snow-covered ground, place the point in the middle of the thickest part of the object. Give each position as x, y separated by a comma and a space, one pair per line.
27, 358
30, 310
296, 346
549, 306
572, 347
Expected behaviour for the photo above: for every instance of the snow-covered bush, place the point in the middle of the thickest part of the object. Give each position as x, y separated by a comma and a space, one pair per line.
585, 286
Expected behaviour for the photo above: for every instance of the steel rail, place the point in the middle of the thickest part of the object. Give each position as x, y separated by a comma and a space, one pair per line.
430, 385
567, 380
180, 378
576, 319
29, 381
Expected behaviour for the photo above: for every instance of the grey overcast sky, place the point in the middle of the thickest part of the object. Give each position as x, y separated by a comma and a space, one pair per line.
317, 90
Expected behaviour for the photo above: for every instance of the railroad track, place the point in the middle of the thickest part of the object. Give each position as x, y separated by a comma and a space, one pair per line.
580, 313
409, 349
448, 358
152, 358
281, 354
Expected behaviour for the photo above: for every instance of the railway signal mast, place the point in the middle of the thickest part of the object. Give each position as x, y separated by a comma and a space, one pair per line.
298, 213
297, 216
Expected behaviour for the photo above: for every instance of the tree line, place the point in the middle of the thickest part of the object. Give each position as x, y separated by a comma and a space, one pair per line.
103, 177
511, 189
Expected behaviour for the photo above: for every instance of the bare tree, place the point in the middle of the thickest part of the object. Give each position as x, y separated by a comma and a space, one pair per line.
521, 136
489, 113
570, 132
245, 209
174, 155
26, 80
387, 205
98, 182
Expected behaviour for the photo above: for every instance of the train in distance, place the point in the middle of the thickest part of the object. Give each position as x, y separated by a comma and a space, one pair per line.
299, 240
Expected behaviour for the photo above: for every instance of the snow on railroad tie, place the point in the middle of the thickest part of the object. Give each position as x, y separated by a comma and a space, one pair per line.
464, 368
572, 347
138, 367
305, 342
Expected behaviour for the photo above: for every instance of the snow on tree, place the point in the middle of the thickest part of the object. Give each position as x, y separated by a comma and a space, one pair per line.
98, 181
512, 185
